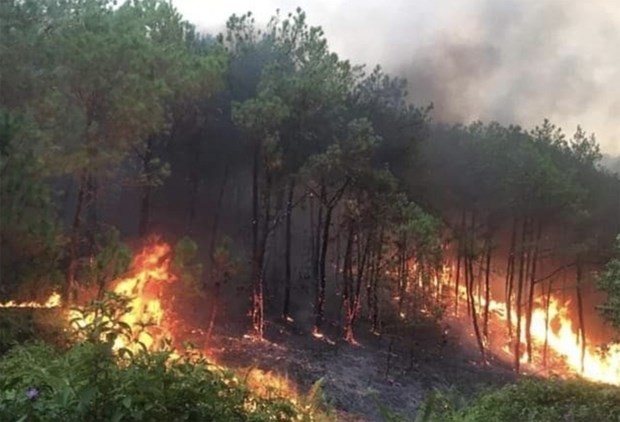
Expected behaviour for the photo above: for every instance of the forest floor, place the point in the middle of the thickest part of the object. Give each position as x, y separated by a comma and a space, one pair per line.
379, 372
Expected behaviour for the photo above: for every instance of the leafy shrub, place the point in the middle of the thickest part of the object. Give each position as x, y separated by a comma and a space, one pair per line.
89, 381
535, 400
39, 383
20, 325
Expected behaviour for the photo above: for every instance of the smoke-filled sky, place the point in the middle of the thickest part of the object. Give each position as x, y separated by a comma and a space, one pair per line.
515, 61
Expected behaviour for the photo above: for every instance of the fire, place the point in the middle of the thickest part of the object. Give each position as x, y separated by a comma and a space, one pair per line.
149, 273
567, 343
52, 302
561, 338
149, 323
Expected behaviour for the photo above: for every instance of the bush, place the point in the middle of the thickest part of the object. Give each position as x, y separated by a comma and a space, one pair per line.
535, 400
90, 381
19, 325
40, 383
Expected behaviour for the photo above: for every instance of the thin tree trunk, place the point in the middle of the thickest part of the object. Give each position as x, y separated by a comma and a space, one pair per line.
547, 303
459, 256
70, 283
403, 279
217, 212
375, 286
469, 277
487, 289
256, 267
582, 327
145, 199
287, 249
320, 300
532, 288
510, 271
347, 277
522, 269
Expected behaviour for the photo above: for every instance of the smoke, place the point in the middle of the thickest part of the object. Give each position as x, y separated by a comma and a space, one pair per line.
514, 61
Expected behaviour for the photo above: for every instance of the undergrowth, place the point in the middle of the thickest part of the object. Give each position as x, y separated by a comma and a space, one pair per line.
89, 381
528, 400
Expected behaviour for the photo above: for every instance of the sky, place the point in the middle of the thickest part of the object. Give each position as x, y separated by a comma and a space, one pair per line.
514, 61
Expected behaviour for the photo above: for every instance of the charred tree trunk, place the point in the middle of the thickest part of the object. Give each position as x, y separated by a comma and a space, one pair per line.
582, 327
403, 276
459, 256
70, 282
375, 286
532, 288
145, 198
547, 304
257, 321
215, 225
193, 186
510, 271
320, 299
487, 288
522, 275
287, 249
355, 295
347, 277
469, 281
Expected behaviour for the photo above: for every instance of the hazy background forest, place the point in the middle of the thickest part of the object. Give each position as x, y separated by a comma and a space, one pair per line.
301, 189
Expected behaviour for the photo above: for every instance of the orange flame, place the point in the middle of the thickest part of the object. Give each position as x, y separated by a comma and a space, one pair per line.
52, 302
150, 270
149, 323
563, 341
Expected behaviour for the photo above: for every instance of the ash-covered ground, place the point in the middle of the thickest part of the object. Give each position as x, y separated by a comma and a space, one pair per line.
392, 371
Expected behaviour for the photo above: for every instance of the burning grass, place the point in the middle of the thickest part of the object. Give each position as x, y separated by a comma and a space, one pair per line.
557, 345
133, 335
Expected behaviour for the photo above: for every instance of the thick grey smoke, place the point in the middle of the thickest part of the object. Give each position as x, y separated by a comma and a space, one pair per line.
515, 61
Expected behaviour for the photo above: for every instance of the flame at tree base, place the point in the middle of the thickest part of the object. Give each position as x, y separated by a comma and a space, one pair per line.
553, 328
148, 322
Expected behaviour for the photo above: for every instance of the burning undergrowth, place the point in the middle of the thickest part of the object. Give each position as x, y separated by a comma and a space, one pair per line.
137, 316
153, 316
556, 346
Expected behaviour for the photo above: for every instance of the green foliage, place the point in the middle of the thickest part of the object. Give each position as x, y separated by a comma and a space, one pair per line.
85, 384
101, 321
111, 260
532, 400
609, 282
21, 325
29, 230
91, 382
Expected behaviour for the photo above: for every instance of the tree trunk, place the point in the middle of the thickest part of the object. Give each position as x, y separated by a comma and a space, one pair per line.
510, 272
217, 212
375, 286
582, 327
403, 276
257, 293
347, 278
522, 269
287, 249
532, 288
145, 199
320, 299
74, 242
459, 256
469, 281
547, 303
487, 289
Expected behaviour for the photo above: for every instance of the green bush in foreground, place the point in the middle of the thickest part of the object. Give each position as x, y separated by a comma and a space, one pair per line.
90, 382
40, 383
532, 400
